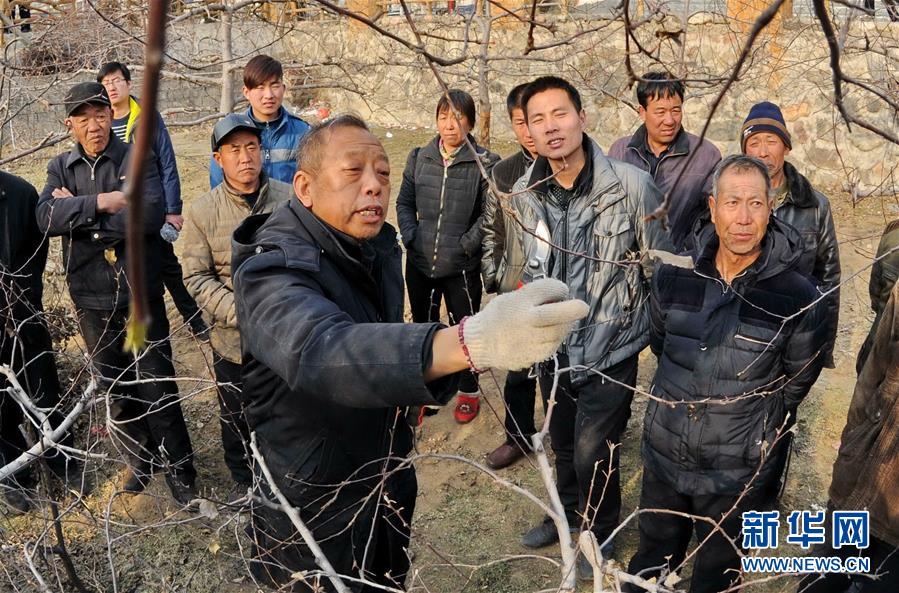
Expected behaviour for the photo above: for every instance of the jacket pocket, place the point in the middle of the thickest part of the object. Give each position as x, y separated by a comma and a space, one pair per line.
613, 235
766, 430
309, 459
757, 339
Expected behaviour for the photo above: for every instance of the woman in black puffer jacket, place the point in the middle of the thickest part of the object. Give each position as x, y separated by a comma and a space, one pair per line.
439, 210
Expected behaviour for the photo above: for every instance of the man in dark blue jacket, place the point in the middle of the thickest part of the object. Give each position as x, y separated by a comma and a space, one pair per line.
739, 336
83, 203
329, 366
264, 88
116, 79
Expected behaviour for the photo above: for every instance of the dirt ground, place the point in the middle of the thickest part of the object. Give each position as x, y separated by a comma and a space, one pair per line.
464, 523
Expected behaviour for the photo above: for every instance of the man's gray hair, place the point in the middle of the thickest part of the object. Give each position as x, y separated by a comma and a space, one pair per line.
740, 163
309, 149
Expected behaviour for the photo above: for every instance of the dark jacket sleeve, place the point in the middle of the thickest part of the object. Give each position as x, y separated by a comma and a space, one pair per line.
618, 148
657, 315
885, 270
827, 271
168, 168
406, 210
804, 354
31, 257
650, 233
493, 241
61, 216
317, 348
113, 225
472, 238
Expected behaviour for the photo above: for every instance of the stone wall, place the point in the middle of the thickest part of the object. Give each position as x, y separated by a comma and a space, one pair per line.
371, 75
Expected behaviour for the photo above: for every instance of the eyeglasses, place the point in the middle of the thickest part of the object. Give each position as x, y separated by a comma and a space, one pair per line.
113, 81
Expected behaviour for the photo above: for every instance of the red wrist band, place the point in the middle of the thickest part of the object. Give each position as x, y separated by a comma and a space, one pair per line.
465, 350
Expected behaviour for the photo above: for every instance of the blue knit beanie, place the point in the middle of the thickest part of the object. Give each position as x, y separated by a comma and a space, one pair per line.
764, 117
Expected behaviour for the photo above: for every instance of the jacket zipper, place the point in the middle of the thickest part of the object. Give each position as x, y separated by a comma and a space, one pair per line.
751, 340
564, 268
439, 217
92, 167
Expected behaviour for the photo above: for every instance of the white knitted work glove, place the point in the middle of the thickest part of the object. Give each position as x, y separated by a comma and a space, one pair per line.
519, 328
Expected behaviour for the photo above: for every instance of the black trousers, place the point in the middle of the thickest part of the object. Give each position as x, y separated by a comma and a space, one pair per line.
29, 353
354, 528
173, 280
149, 424
664, 537
519, 395
235, 430
462, 294
587, 420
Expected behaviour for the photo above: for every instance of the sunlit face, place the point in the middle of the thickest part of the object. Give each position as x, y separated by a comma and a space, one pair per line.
266, 98
240, 158
90, 125
740, 212
662, 117
452, 131
520, 128
351, 188
118, 89
771, 150
556, 126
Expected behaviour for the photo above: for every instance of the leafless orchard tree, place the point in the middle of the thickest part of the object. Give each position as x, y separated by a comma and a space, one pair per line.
85, 543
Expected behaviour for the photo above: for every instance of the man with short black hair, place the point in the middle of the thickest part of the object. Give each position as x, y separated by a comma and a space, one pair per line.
588, 204
264, 88
116, 79
737, 335
502, 266
669, 153
329, 367
211, 219
83, 203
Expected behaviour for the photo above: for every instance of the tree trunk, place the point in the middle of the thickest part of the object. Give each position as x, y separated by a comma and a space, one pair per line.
226, 102
484, 82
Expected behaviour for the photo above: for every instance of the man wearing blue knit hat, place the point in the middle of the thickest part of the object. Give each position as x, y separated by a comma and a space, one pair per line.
764, 135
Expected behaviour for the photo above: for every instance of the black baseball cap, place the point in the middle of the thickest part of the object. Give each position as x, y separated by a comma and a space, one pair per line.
86, 93
232, 123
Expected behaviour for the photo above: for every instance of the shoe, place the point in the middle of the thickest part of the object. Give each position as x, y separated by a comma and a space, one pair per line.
467, 407
199, 329
73, 476
237, 494
18, 500
183, 490
541, 536
137, 481
584, 568
505, 455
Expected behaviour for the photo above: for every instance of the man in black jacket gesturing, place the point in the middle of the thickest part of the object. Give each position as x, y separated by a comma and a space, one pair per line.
328, 365
84, 204
739, 337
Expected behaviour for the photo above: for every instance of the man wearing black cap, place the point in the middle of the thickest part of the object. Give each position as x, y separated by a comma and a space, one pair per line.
83, 203
764, 135
211, 219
